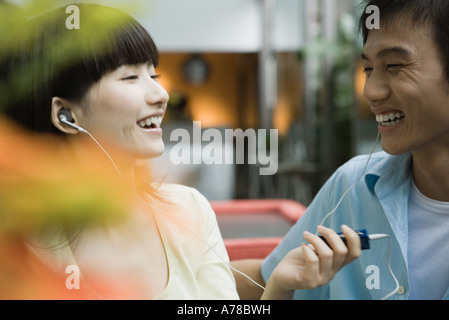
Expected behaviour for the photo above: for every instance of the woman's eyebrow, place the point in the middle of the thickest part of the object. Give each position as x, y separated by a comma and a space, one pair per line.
393, 50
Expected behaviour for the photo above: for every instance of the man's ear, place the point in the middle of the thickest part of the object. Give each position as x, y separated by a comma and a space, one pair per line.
58, 104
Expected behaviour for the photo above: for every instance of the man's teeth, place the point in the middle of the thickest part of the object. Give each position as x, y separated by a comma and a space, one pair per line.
156, 121
390, 119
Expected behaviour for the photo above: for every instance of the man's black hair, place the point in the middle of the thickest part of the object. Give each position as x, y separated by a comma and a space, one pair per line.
414, 13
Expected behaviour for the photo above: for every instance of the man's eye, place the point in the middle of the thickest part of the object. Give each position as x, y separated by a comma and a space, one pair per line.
367, 69
393, 66
155, 77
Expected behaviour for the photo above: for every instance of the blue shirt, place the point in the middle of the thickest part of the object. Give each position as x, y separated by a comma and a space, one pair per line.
378, 203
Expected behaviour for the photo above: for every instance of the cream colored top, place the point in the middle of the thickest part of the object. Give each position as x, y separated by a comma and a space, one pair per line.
195, 253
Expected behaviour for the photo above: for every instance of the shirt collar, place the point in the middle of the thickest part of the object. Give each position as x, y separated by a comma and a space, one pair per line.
388, 173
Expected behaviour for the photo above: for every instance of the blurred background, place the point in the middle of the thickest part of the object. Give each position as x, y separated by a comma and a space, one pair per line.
289, 65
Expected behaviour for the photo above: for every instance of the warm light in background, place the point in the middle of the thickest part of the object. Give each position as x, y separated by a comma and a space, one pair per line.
229, 95
213, 112
165, 81
282, 117
224, 99
360, 79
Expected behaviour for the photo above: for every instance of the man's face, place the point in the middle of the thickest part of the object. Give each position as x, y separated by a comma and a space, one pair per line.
406, 88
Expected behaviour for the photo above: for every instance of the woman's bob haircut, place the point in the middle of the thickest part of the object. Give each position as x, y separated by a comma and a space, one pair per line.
51, 60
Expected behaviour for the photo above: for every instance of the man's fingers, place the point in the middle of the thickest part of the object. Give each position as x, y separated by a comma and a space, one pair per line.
353, 243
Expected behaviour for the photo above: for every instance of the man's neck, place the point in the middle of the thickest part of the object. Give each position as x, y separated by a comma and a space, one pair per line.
431, 174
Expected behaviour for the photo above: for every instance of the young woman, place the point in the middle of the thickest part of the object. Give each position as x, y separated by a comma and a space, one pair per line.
99, 84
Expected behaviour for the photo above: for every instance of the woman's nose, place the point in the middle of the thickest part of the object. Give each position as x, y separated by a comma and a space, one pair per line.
156, 94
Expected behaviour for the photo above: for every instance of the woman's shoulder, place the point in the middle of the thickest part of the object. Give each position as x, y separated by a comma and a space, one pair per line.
186, 205
184, 199
177, 192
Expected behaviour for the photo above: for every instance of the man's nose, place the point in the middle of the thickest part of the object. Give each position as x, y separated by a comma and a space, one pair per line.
376, 89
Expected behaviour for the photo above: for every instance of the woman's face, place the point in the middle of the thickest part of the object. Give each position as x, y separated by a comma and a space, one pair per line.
126, 108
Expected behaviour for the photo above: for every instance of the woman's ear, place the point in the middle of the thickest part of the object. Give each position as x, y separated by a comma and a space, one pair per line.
61, 106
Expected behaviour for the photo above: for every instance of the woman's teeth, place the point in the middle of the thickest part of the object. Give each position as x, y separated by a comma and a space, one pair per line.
152, 122
389, 119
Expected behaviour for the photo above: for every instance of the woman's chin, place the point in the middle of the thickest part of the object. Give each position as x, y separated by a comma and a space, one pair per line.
150, 154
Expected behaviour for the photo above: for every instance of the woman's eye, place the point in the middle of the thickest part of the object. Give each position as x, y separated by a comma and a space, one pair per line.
155, 77
133, 77
367, 69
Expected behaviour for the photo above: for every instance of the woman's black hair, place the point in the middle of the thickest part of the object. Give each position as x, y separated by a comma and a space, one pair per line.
51, 60
434, 13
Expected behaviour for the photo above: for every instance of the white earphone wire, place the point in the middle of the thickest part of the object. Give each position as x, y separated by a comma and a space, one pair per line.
64, 120
390, 241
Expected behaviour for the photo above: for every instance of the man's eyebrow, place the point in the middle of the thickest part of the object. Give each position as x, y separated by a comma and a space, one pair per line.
392, 50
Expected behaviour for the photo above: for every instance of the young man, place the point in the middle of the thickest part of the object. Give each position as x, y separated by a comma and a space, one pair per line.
404, 191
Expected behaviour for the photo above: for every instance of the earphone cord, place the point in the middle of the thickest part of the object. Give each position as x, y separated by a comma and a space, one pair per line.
112, 161
118, 171
227, 263
390, 241
351, 187
204, 242
391, 271
223, 260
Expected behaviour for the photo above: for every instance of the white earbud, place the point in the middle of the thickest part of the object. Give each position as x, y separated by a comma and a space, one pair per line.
65, 117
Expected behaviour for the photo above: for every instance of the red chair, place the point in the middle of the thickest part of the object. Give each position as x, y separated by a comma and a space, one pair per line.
250, 248
256, 247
